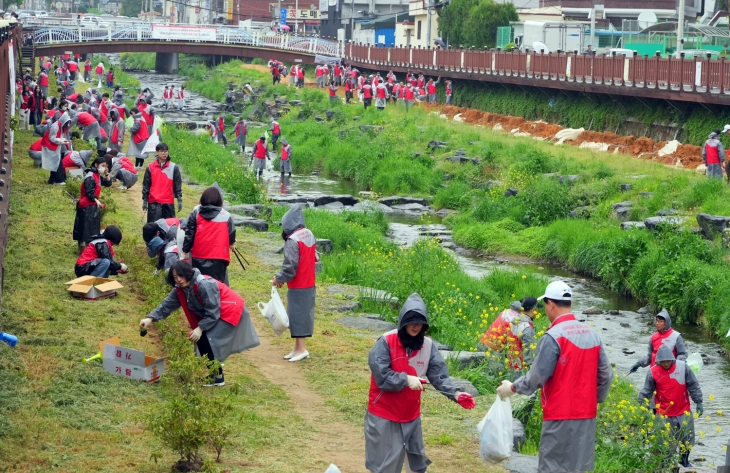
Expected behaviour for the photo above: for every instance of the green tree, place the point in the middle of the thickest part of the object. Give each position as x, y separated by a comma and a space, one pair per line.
474, 22
131, 8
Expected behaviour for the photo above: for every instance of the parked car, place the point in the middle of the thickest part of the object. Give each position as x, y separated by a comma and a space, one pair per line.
700, 53
624, 51
41, 14
89, 21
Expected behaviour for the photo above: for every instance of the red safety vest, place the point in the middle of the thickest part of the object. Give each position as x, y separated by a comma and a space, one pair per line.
211, 238
499, 335
712, 155
300, 73
668, 338
381, 92
221, 124
419, 82
572, 391
73, 67
431, 88
277, 129
84, 200
46, 140
180, 94
85, 119
285, 153
37, 146
89, 254
367, 92
99, 69
240, 128
115, 132
403, 405
110, 76
87, 66
143, 133
128, 166
43, 81
333, 91
161, 191
307, 258
259, 150
671, 397
232, 304
396, 90
449, 90
409, 93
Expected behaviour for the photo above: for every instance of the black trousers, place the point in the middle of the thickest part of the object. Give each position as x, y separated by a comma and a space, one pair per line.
157, 211
205, 350
59, 175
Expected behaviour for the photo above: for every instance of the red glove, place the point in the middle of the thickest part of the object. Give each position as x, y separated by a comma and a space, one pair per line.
466, 401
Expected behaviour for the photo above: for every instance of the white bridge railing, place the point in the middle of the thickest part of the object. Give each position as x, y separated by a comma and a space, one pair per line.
235, 36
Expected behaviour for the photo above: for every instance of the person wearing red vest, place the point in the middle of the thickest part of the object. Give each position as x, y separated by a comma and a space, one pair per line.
300, 76
36, 152
285, 160
421, 81
43, 82
672, 383
166, 97
181, 98
572, 368
293, 76
140, 134
395, 95
162, 184
73, 68
210, 236
297, 271
431, 90
275, 133
77, 159
240, 130
381, 96
219, 322
88, 213
349, 87
110, 78
275, 74
123, 170
259, 155
333, 93
87, 70
449, 93
52, 140
319, 76
97, 258
89, 126
118, 127
367, 94
100, 72
337, 74
221, 130
409, 96
713, 156
401, 362
664, 336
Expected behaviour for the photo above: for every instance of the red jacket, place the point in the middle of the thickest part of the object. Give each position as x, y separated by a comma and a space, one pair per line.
161, 183
89, 254
115, 133
99, 69
43, 80
46, 140
232, 305
85, 119
240, 128
403, 405
128, 166
431, 88
671, 396
84, 201
572, 392
37, 146
669, 338
367, 91
211, 238
142, 134
409, 95
276, 129
259, 150
713, 157
305, 277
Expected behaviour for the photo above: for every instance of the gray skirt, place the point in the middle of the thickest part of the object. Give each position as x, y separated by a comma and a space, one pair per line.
91, 131
259, 163
380, 103
135, 150
284, 165
241, 140
300, 308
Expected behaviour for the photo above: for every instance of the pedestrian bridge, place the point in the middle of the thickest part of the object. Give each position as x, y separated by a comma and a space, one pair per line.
220, 41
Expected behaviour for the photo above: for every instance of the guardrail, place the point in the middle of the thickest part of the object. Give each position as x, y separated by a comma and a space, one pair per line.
232, 36
699, 75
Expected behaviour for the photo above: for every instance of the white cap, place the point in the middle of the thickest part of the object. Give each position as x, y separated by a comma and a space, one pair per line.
557, 291
727, 127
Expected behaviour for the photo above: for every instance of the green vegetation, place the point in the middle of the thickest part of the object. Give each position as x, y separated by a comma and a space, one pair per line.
138, 60
473, 23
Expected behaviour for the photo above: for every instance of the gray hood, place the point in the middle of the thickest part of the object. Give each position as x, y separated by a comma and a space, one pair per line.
516, 305
414, 303
664, 354
65, 118
293, 220
665, 315
209, 212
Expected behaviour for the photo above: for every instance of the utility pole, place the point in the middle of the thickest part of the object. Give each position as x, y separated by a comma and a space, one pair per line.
680, 28
428, 24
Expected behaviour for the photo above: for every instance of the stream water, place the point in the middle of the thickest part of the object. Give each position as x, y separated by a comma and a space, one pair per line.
625, 334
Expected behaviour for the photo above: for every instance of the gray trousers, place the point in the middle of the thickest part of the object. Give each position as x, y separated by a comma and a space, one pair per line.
714, 171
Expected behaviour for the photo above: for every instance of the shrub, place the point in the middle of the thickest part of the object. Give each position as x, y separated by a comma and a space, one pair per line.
456, 196
544, 202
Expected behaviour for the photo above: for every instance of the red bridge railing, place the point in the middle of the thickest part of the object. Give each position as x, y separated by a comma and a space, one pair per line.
698, 75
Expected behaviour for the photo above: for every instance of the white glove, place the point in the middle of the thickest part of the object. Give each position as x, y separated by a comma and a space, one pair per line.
146, 322
414, 382
195, 334
505, 390
124, 267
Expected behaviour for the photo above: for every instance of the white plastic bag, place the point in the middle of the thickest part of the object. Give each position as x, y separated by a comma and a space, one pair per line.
275, 312
694, 361
495, 439
333, 469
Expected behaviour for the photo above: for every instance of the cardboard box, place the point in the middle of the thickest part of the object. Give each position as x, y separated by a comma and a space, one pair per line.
93, 288
132, 364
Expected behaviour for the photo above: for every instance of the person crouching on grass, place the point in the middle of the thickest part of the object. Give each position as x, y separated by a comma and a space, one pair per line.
402, 362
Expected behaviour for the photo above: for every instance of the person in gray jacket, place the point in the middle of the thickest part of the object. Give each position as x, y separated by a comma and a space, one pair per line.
402, 362
664, 336
670, 384
713, 155
220, 323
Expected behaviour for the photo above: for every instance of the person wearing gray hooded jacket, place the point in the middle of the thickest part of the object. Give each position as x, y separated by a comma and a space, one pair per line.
671, 383
664, 336
298, 272
53, 140
713, 156
220, 323
402, 361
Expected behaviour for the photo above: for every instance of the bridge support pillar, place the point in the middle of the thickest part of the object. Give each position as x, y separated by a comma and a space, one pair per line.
166, 62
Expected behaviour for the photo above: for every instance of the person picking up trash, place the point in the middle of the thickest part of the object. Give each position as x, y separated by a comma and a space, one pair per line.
402, 362
672, 383
572, 368
97, 259
219, 322
664, 336
512, 332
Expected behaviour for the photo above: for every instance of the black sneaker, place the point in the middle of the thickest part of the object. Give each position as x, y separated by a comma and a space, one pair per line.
216, 382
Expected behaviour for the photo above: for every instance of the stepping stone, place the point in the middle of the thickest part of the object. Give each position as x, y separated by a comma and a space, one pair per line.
344, 199
324, 246
412, 208
712, 224
250, 222
519, 463
348, 306
655, 223
511, 192
569, 179
367, 323
592, 311
291, 199
250, 210
626, 187
632, 226
397, 200
665, 212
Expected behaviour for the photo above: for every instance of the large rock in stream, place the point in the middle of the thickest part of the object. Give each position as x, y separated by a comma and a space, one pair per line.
250, 210
657, 223
399, 200
344, 199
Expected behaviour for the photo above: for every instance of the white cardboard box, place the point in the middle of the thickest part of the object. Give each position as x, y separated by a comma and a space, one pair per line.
93, 288
132, 364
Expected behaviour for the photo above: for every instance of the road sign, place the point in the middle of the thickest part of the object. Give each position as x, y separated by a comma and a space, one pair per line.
282, 16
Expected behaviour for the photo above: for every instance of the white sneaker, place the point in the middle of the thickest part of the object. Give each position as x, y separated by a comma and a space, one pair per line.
291, 353
123, 188
299, 357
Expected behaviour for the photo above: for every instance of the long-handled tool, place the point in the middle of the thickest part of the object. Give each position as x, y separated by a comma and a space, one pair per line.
143, 214
239, 256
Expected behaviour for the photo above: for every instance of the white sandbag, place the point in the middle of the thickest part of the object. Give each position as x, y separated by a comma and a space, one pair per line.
332, 469
701, 169
498, 127
275, 312
694, 361
568, 134
594, 145
495, 438
457, 118
669, 148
